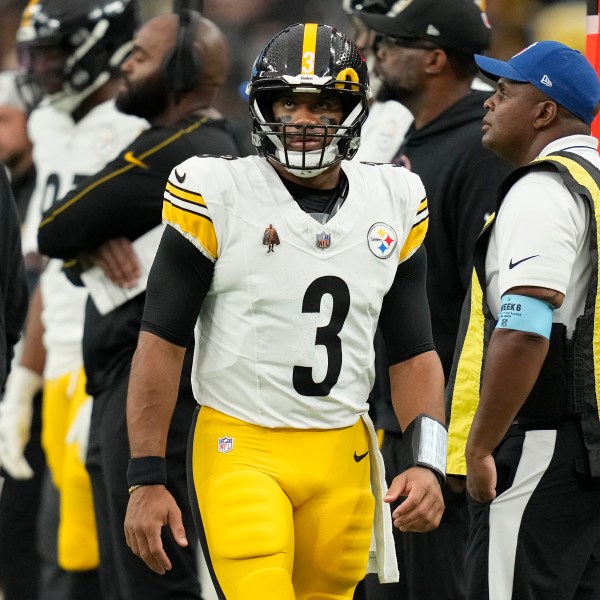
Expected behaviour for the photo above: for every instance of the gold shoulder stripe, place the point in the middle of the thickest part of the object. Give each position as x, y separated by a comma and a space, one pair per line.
415, 238
422, 206
199, 227
182, 194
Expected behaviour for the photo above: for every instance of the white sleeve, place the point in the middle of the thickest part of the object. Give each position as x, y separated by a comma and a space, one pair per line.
539, 229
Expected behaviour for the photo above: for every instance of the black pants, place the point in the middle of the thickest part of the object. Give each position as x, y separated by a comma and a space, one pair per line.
55, 583
19, 506
539, 539
431, 564
123, 575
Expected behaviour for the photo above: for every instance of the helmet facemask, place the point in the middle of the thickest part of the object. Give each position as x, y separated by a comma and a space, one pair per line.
338, 141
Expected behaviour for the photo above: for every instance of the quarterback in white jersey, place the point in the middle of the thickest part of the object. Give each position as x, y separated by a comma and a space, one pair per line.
286, 262
223, 207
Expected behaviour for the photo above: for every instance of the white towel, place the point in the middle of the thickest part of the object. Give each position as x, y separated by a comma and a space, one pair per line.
382, 554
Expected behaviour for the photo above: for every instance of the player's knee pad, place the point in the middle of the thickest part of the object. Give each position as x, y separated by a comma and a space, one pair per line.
248, 515
342, 550
272, 583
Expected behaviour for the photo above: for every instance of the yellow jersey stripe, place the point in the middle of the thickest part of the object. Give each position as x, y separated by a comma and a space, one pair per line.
309, 49
414, 239
199, 227
418, 231
182, 194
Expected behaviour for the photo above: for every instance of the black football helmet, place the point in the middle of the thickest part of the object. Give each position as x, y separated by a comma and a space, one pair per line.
81, 43
379, 7
308, 58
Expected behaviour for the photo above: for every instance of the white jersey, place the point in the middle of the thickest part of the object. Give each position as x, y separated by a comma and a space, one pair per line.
64, 152
285, 337
541, 236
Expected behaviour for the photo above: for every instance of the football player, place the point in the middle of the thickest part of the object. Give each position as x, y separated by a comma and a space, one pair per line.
70, 51
286, 473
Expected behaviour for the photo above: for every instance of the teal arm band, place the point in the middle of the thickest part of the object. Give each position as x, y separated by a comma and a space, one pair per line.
525, 313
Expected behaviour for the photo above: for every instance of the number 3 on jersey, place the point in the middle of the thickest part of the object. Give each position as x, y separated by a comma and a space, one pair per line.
326, 336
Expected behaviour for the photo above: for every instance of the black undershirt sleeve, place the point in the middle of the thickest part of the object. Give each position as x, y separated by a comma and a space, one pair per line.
405, 322
177, 285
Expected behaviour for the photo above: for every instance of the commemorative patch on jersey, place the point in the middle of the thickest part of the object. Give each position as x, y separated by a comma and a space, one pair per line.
270, 238
225, 444
382, 240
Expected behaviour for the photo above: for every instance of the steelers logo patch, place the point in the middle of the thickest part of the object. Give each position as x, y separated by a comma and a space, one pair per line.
382, 240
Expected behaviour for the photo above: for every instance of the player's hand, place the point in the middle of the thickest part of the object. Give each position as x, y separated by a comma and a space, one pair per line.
150, 508
423, 506
481, 477
16, 410
79, 432
119, 262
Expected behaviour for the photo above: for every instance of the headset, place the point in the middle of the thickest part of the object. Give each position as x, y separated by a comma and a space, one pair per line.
183, 65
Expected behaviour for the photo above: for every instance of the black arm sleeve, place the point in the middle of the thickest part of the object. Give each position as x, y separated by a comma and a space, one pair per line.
405, 322
124, 199
177, 285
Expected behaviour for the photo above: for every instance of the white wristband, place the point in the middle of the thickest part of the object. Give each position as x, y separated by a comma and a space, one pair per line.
427, 438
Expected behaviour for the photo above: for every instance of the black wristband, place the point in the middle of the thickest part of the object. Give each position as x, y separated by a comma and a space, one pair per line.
147, 470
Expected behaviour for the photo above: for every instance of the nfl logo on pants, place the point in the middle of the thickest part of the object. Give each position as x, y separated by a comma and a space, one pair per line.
225, 444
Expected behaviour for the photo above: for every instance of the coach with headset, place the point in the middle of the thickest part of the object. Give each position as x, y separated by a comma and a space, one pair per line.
107, 229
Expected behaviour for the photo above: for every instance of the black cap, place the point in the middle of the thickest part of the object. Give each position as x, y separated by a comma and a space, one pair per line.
454, 24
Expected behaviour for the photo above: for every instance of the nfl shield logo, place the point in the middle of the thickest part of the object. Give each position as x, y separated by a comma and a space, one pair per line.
225, 444
323, 240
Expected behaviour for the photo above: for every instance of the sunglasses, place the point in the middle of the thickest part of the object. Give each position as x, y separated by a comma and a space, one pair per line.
383, 41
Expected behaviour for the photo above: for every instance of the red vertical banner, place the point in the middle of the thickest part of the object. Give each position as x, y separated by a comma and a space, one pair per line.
592, 46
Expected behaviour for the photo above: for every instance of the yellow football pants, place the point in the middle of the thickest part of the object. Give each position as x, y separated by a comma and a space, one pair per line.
287, 513
77, 535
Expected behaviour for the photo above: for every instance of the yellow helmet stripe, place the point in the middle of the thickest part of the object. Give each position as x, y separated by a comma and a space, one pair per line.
309, 48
